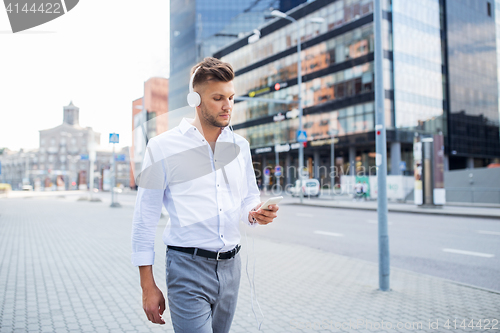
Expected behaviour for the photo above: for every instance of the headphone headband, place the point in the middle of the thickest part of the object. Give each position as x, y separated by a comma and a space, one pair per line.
193, 98
191, 88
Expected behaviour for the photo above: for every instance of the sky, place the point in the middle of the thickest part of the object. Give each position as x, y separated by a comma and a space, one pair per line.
97, 55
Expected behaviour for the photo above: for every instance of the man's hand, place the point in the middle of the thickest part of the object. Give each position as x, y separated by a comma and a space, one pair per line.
153, 304
153, 301
263, 216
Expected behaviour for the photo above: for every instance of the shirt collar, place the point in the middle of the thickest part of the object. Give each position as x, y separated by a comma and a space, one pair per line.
186, 125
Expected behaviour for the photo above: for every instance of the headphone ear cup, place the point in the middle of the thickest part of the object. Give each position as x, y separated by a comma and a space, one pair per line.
194, 99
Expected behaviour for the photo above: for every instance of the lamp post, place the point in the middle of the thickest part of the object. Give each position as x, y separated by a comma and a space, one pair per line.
332, 133
277, 13
381, 153
91, 146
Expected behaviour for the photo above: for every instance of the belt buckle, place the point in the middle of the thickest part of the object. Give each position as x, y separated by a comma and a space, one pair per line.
217, 257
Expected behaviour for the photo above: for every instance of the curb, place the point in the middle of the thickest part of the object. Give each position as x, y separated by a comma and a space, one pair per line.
399, 210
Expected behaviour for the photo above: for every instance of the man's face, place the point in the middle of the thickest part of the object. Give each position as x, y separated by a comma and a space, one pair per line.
217, 101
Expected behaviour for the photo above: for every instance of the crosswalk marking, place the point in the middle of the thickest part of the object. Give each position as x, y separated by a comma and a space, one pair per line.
489, 232
304, 215
319, 232
470, 253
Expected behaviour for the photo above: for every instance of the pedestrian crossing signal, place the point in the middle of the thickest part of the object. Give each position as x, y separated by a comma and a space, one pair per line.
114, 138
301, 136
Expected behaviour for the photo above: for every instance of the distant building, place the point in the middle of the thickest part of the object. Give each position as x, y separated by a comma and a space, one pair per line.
62, 159
150, 111
64, 149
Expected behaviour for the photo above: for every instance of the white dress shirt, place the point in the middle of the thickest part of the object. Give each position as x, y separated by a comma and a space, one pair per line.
206, 193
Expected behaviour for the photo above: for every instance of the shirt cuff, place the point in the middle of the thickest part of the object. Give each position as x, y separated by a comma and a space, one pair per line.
143, 258
246, 212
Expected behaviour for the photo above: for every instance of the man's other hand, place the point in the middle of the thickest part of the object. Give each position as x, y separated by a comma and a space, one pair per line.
153, 304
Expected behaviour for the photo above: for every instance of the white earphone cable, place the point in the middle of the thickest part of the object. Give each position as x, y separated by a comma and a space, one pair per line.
252, 282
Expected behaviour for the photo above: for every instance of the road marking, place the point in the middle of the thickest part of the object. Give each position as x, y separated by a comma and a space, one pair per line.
376, 222
489, 232
319, 232
470, 253
304, 215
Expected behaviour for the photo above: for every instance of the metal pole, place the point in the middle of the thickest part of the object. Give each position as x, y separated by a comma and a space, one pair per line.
277, 157
27, 175
381, 154
332, 163
299, 84
92, 159
113, 178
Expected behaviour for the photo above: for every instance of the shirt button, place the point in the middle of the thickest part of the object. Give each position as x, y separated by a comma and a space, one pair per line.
220, 210
221, 236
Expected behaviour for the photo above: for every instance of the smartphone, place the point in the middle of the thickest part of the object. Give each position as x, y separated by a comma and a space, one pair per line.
270, 201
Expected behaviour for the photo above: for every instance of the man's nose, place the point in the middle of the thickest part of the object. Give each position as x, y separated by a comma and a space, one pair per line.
227, 104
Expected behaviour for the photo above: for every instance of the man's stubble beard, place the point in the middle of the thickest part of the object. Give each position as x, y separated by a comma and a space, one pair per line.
211, 119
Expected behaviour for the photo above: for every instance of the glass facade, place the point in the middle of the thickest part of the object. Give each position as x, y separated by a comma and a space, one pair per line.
198, 28
417, 65
337, 14
440, 74
354, 119
345, 47
473, 79
331, 74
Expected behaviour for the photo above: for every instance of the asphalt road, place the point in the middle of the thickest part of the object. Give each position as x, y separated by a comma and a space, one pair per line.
461, 249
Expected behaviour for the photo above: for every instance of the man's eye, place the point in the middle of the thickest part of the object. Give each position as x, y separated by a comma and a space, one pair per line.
217, 99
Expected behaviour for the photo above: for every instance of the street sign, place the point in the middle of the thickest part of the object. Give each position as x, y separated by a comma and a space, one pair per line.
114, 138
120, 158
267, 172
277, 171
301, 136
402, 165
84, 157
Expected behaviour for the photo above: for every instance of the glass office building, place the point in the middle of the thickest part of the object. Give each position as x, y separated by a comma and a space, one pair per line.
472, 39
338, 85
200, 27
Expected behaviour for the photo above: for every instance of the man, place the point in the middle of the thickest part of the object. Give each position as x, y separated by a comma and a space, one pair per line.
365, 191
202, 172
359, 191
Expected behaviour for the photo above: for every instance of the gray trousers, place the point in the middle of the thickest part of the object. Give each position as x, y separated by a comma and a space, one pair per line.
202, 292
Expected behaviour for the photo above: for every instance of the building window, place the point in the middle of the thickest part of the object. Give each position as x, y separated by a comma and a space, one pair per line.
488, 4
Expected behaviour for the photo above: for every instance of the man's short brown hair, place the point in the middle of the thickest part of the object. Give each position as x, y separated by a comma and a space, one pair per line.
212, 69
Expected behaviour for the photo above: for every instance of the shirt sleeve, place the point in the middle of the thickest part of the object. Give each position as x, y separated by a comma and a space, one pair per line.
151, 188
252, 193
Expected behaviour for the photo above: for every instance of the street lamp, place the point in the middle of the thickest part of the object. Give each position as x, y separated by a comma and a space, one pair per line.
333, 132
277, 13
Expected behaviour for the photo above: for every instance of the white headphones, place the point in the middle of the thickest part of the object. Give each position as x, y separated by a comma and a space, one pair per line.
193, 98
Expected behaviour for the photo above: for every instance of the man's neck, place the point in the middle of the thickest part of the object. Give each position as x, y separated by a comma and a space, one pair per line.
211, 133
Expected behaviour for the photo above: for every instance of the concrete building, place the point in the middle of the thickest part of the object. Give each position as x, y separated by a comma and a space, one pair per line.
149, 111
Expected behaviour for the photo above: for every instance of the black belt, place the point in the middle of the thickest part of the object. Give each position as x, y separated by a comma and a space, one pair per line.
205, 253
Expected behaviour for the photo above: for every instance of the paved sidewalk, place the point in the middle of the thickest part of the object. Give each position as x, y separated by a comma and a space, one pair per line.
65, 266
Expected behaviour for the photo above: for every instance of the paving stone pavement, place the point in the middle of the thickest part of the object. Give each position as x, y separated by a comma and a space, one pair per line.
65, 267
